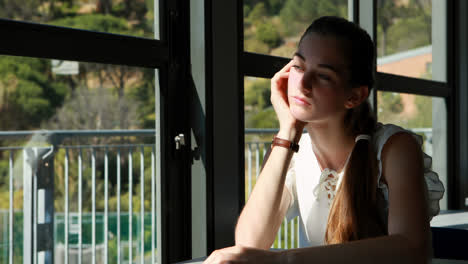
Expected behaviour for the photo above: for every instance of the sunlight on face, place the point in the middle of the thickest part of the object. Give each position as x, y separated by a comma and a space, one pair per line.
318, 80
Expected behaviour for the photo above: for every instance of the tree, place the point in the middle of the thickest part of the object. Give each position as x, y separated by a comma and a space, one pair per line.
144, 94
266, 118
258, 14
259, 112
390, 107
387, 11
95, 109
96, 22
20, 9
298, 14
274, 6
29, 93
424, 9
104, 7
257, 93
407, 34
403, 26
268, 34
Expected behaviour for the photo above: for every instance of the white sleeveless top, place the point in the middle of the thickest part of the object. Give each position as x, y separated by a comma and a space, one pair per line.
310, 188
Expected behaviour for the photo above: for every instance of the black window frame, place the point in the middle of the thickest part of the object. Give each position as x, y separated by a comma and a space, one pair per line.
170, 55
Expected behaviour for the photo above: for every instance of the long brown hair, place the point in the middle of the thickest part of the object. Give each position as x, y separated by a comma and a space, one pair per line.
353, 213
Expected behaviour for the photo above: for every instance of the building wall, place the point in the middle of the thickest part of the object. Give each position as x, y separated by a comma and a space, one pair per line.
415, 66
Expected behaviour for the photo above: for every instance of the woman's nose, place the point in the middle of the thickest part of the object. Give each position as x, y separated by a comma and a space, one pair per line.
306, 83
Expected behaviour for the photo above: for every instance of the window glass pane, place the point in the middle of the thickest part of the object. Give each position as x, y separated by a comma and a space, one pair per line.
260, 126
134, 18
274, 27
90, 122
424, 115
411, 38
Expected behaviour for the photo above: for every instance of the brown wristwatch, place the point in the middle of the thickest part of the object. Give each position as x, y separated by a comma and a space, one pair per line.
285, 144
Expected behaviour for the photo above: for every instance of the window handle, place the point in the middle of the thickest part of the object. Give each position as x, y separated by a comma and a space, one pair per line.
179, 141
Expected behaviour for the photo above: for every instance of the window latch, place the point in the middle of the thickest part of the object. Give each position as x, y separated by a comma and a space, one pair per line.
179, 141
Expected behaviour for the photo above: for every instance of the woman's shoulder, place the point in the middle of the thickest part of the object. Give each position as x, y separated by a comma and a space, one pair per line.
383, 132
405, 149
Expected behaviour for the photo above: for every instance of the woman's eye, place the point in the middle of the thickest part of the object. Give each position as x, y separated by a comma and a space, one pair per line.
297, 67
324, 77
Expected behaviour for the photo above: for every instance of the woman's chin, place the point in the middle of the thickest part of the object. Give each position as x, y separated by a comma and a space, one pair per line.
301, 115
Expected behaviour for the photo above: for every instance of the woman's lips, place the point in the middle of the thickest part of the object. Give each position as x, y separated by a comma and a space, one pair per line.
300, 101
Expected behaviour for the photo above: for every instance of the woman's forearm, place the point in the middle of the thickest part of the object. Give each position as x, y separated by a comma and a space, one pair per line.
265, 208
381, 250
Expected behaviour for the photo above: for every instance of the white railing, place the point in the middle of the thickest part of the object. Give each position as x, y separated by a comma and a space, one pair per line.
80, 165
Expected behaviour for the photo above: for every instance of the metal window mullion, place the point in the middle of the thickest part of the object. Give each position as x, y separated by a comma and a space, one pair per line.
11, 210
353, 10
89, 46
142, 204
367, 11
457, 76
66, 206
158, 13
260, 65
441, 115
402, 84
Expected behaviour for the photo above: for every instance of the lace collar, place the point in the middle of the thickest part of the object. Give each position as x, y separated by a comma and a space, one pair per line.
329, 179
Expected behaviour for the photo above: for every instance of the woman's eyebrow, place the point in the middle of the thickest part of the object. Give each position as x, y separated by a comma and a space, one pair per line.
299, 55
335, 69
330, 67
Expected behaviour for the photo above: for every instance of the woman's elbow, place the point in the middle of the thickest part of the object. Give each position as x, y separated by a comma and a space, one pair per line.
247, 237
418, 251
242, 235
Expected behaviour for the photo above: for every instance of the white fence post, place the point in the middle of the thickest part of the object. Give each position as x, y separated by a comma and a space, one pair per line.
29, 158
38, 205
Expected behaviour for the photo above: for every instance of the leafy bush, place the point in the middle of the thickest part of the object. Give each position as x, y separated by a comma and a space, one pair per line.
266, 118
96, 22
392, 102
267, 33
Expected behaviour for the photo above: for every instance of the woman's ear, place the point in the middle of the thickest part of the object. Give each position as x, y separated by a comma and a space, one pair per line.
357, 96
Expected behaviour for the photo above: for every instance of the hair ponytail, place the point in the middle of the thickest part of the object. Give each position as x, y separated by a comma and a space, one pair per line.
353, 214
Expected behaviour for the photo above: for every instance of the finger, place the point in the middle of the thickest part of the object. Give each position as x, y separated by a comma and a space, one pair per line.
280, 75
211, 258
287, 67
283, 75
279, 82
221, 257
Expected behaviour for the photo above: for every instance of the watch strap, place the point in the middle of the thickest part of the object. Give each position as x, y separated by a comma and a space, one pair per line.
285, 144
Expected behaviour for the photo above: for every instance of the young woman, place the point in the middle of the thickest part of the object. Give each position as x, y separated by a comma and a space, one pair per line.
365, 191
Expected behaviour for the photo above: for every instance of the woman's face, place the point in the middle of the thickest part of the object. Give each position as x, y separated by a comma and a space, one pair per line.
318, 84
